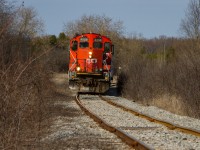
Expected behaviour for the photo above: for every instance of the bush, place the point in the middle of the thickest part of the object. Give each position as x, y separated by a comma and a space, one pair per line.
22, 103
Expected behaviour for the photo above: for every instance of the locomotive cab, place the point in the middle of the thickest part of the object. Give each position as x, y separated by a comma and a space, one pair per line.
90, 62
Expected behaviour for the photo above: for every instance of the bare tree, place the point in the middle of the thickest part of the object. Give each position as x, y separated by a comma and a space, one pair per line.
94, 23
27, 22
190, 25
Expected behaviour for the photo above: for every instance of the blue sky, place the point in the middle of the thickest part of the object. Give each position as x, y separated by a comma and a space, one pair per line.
151, 18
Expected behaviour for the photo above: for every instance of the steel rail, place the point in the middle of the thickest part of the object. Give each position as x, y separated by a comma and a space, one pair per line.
153, 119
130, 140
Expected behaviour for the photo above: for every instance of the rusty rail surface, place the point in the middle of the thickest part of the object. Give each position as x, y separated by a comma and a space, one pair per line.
152, 119
130, 140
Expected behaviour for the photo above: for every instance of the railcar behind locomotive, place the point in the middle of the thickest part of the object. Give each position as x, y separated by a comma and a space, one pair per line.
90, 62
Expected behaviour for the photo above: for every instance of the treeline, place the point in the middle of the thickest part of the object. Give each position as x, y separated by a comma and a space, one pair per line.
59, 58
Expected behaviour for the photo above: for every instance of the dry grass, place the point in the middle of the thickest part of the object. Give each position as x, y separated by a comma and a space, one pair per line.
171, 103
25, 86
22, 104
173, 84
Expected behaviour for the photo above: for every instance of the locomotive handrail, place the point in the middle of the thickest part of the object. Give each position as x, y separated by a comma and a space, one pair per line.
74, 62
104, 62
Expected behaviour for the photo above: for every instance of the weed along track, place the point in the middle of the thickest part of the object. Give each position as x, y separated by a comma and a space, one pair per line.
137, 129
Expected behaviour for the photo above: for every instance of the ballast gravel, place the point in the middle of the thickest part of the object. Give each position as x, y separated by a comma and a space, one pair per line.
152, 134
158, 113
79, 131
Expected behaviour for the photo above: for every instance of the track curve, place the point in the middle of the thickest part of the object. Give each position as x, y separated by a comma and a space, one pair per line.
130, 140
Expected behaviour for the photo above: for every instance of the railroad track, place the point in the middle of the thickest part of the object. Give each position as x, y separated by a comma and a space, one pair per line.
120, 130
121, 134
169, 125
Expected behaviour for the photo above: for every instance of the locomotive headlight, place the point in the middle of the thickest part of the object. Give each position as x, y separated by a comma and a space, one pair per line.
78, 68
90, 54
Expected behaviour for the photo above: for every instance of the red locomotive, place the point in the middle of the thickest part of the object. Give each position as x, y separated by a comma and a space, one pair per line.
90, 62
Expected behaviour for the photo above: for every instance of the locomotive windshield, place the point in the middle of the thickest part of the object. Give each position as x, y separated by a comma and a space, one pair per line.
97, 43
83, 42
74, 45
107, 47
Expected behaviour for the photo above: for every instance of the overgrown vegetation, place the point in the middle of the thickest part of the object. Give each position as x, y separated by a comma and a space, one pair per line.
24, 78
165, 74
